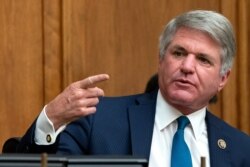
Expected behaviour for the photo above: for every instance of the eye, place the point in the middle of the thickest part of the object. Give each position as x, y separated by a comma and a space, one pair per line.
178, 53
204, 60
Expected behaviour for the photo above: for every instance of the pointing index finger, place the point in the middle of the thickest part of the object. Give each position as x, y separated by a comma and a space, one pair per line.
91, 80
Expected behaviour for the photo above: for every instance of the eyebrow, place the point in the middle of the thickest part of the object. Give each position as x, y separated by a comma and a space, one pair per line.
179, 47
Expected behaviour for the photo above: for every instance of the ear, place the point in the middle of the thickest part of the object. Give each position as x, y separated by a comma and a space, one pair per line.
224, 79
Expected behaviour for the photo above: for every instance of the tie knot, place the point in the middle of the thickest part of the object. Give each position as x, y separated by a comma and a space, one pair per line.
183, 121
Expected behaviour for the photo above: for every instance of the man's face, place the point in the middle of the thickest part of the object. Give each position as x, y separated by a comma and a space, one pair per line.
189, 73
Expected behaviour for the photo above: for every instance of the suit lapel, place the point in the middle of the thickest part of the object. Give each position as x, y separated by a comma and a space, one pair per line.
219, 143
141, 119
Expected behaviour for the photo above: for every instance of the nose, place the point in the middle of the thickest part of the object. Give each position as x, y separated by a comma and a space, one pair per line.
188, 64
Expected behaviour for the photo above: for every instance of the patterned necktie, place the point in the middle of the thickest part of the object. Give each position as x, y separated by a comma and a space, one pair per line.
180, 156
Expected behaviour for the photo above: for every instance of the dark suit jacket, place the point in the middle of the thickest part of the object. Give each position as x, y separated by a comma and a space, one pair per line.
124, 126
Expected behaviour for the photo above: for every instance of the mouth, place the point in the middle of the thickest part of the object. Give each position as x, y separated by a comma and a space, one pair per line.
184, 82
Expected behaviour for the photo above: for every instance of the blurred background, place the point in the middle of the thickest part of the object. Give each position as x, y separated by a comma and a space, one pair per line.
47, 44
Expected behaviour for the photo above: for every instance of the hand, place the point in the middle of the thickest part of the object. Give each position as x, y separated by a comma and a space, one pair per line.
78, 99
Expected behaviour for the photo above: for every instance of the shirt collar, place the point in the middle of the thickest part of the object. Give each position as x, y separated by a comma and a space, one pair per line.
164, 119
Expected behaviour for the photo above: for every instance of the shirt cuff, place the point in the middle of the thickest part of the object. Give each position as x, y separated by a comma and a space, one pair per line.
45, 133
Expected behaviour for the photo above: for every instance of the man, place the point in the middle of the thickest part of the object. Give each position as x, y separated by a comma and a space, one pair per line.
196, 55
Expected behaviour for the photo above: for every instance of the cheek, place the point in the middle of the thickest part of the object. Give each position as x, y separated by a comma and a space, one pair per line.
167, 65
208, 82
171, 68
163, 70
166, 72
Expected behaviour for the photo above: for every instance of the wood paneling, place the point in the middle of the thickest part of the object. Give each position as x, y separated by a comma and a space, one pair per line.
243, 66
52, 48
21, 65
45, 45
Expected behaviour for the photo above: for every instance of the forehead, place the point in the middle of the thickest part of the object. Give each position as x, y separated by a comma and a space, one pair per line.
195, 41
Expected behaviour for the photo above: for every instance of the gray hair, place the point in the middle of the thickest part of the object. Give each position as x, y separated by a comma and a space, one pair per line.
214, 24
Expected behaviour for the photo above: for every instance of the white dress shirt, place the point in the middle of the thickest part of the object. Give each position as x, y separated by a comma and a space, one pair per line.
165, 127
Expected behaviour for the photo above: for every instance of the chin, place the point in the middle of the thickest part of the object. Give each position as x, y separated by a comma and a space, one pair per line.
182, 96
184, 102
186, 106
